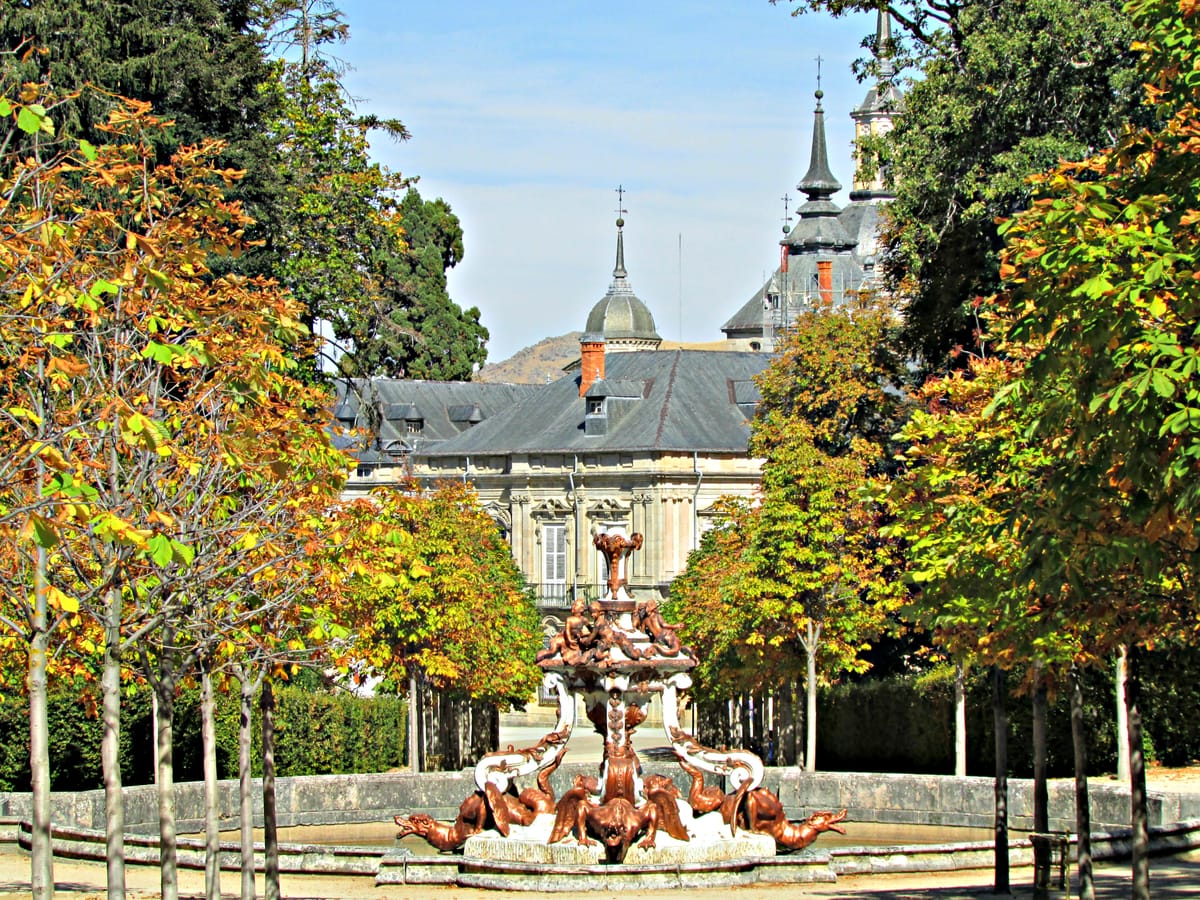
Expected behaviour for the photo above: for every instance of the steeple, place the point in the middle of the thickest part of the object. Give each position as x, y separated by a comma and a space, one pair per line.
818, 182
883, 45
619, 273
818, 228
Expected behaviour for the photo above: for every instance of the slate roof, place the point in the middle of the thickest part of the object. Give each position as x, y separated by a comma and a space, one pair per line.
444, 409
692, 400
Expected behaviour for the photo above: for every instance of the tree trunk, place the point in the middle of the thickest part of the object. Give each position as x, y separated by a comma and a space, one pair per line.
245, 800
1137, 781
414, 757
1122, 715
810, 690
1000, 728
167, 849
1041, 798
270, 822
810, 714
212, 824
1083, 811
110, 747
42, 854
960, 720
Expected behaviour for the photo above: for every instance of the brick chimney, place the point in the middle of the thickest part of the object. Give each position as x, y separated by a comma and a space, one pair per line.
825, 280
591, 370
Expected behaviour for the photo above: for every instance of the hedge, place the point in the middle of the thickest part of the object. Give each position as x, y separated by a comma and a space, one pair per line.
906, 724
318, 733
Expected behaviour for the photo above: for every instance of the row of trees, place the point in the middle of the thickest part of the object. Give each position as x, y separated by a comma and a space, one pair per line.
1041, 498
354, 242
169, 509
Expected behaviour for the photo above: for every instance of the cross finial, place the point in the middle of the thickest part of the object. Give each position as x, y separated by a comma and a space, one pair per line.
819, 60
787, 199
621, 210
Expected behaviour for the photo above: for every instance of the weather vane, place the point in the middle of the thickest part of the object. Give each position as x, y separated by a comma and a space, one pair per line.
621, 210
786, 198
818, 73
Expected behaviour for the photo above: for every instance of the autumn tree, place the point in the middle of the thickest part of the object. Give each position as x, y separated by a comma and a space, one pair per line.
435, 593
812, 580
150, 401
1100, 273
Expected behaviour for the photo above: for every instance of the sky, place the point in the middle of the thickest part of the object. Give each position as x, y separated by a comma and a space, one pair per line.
527, 115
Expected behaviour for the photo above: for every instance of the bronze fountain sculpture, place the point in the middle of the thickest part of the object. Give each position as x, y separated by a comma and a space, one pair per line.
617, 653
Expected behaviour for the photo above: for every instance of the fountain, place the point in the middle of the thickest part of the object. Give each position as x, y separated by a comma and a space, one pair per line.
616, 654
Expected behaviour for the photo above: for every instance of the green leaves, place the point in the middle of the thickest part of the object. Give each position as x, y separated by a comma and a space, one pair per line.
33, 119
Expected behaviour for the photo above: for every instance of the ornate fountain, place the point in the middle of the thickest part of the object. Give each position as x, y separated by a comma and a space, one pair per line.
617, 654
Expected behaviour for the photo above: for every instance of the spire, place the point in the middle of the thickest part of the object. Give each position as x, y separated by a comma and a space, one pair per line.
883, 45
619, 269
619, 273
877, 113
620, 321
818, 183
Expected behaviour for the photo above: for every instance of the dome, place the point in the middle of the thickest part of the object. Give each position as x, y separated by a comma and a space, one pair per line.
621, 316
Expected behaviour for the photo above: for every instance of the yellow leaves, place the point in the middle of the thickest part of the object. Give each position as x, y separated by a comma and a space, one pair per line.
419, 570
113, 527
48, 454
56, 599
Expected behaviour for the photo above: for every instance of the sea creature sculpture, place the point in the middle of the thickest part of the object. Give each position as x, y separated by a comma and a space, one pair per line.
491, 806
764, 814
661, 633
617, 822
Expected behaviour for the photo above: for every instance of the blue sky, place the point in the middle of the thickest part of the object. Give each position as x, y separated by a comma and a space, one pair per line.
525, 116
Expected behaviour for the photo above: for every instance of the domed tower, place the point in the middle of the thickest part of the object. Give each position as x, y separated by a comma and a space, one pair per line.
620, 319
620, 322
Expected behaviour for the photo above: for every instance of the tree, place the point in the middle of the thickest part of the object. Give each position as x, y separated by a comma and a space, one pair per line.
416, 330
434, 592
1100, 270
1000, 91
812, 574
149, 401
199, 63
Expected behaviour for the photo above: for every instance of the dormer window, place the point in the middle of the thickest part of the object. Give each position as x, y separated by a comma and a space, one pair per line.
414, 426
595, 406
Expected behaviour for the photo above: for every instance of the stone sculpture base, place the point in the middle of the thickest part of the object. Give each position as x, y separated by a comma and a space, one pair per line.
710, 842
524, 861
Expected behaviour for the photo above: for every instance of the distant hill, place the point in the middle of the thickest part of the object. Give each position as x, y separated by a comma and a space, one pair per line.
538, 364
544, 361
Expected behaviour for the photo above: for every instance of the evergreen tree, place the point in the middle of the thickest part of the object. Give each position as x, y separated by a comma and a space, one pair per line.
198, 62
416, 329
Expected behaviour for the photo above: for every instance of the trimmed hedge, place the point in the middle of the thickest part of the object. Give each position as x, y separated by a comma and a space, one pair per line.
906, 724
318, 733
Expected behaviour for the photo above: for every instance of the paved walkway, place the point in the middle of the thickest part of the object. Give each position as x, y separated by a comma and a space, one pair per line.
1172, 878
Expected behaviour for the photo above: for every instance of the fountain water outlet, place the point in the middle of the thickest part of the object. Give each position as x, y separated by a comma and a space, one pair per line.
616, 654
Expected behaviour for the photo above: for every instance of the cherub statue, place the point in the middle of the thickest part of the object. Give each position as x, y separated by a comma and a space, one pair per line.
569, 642
661, 632
603, 636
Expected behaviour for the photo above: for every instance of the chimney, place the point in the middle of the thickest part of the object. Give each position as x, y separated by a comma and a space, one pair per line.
825, 280
591, 362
